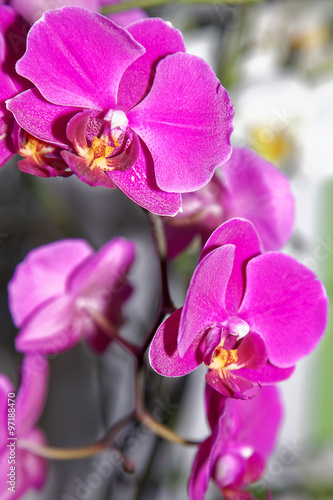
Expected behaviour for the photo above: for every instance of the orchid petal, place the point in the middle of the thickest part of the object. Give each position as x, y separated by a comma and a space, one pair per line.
243, 235
43, 275
286, 303
200, 473
139, 184
268, 374
76, 57
251, 425
231, 385
79, 166
260, 193
32, 393
40, 118
159, 39
164, 355
205, 300
51, 329
103, 273
186, 122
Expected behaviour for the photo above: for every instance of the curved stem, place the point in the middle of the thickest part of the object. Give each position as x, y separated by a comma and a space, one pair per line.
164, 431
130, 4
61, 453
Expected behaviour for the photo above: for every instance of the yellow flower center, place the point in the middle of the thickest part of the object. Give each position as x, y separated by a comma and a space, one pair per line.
35, 148
223, 358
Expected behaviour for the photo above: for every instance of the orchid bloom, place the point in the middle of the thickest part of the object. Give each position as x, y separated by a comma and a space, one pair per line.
249, 316
243, 437
20, 470
55, 291
245, 186
154, 121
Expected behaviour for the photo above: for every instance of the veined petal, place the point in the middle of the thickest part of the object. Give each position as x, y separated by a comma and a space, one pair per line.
32, 393
163, 353
243, 235
260, 193
186, 122
40, 118
76, 57
205, 300
139, 184
43, 275
159, 39
286, 303
51, 329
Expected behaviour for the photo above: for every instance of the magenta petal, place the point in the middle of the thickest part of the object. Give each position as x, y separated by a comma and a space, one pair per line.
43, 275
257, 191
200, 473
159, 39
231, 385
93, 177
163, 354
139, 184
252, 351
268, 374
32, 393
286, 303
81, 58
256, 422
51, 329
186, 122
104, 272
6, 144
243, 235
40, 118
205, 300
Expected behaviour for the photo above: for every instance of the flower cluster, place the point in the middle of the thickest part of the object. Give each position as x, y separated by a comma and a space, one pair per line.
129, 108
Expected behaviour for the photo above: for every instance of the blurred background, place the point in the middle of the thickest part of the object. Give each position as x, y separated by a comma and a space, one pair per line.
276, 60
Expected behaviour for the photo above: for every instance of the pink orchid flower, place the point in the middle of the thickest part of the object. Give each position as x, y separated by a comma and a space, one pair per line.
249, 316
56, 288
128, 107
243, 437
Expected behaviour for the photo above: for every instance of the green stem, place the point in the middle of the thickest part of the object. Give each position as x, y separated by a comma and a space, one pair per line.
110, 9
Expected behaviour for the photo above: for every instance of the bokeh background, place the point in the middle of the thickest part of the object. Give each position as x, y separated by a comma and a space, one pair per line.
276, 60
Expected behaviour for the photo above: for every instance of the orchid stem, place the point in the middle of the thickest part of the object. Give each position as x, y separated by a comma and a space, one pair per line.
61, 453
144, 4
163, 431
